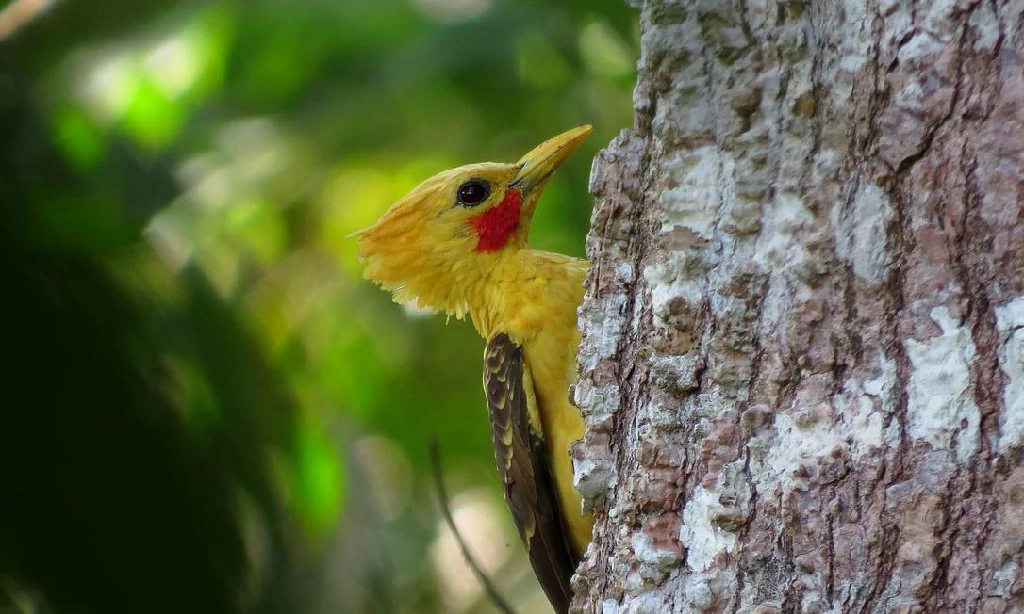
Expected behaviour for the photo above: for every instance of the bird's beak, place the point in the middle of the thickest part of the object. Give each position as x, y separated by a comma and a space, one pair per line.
538, 165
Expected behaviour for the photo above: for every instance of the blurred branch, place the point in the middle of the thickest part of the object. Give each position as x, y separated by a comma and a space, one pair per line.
19, 13
442, 495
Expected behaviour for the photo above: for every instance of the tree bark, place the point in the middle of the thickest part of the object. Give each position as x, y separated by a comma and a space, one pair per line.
802, 366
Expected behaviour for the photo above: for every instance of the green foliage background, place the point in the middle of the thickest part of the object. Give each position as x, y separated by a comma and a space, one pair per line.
205, 408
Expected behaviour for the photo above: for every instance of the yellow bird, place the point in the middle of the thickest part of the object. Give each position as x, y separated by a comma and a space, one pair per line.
457, 244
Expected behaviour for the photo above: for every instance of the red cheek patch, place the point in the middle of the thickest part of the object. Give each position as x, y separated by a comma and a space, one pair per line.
496, 226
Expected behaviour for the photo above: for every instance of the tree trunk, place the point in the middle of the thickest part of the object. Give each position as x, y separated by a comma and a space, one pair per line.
803, 358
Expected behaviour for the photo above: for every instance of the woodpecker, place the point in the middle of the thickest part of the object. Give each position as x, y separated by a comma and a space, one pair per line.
458, 244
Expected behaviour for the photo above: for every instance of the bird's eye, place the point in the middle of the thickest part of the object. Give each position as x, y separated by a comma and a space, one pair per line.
473, 192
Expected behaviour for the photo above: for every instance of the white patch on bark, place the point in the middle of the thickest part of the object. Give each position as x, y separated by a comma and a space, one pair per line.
938, 18
697, 592
796, 445
940, 401
592, 479
1010, 324
854, 423
601, 323
778, 243
884, 386
865, 426
601, 331
649, 602
702, 178
666, 283
923, 45
1005, 578
646, 552
624, 273
984, 32
598, 403
704, 540
860, 232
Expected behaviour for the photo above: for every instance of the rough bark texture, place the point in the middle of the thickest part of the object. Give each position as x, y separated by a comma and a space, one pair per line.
803, 357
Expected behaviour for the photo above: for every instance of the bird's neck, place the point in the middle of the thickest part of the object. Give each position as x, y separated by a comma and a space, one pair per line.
453, 286
523, 291
483, 295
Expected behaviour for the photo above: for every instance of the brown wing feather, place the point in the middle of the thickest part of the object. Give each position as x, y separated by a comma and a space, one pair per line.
524, 466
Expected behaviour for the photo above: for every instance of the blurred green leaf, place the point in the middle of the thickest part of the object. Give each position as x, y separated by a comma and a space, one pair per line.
79, 137
540, 63
604, 51
320, 485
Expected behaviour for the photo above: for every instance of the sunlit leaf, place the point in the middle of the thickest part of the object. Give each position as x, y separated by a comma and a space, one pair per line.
109, 87
212, 33
153, 118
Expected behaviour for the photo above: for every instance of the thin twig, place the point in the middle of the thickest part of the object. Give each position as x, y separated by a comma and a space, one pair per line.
442, 495
18, 13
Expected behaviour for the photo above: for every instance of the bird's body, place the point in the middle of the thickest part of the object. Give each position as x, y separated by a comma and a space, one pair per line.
457, 243
533, 298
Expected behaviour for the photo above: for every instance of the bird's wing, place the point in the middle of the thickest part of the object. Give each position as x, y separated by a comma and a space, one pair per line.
525, 468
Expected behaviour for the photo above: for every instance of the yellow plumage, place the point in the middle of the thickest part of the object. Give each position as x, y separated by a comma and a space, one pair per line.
457, 244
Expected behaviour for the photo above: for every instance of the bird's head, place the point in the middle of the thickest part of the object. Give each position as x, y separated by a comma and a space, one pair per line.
454, 228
